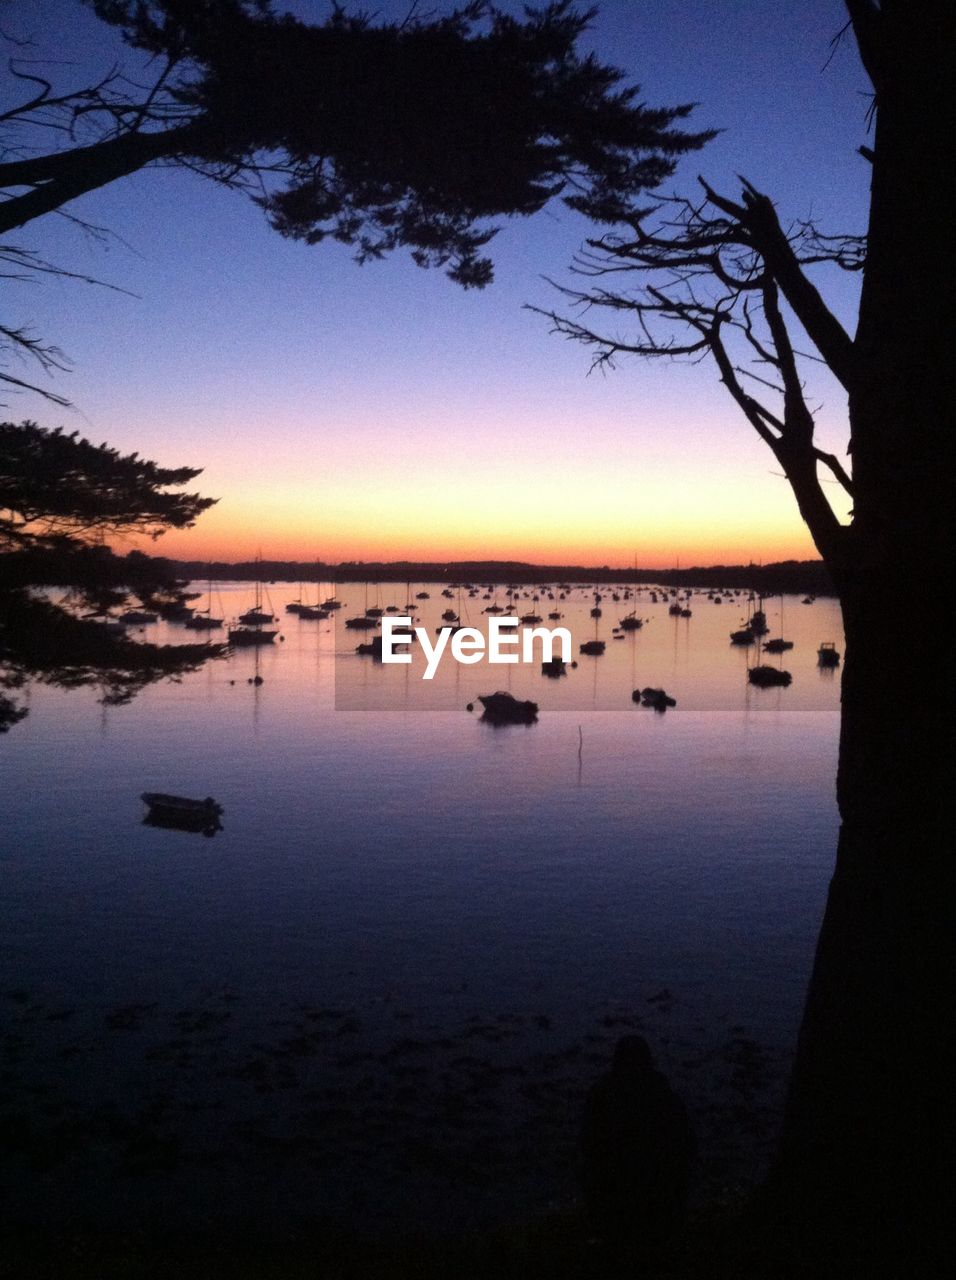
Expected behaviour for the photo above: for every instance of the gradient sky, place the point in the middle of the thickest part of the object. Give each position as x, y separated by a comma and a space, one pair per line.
382, 412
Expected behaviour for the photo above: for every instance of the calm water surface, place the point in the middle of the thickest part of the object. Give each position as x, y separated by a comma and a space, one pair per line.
381, 991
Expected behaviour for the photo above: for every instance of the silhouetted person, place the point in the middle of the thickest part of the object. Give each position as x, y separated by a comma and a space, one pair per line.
636, 1148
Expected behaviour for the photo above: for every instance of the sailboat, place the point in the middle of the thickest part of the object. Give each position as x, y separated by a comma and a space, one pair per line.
366, 621
202, 619
250, 630
255, 616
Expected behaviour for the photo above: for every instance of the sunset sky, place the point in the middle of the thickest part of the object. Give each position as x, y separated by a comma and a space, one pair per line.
383, 413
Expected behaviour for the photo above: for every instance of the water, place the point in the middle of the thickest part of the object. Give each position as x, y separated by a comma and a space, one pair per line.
382, 989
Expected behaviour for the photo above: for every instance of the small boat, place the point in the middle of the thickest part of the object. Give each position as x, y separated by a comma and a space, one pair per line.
631, 623
371, 648
502, 708
674, 610
758, 623
778, 646
363, 623
556, 667
245, 636
138, 617
180, 813
593, 647
827, 655
554, 615
595, 612
530, 617
655, 698
202, 622
745, 636
202, 619
309, 614
331, 603
769, 677
256, 616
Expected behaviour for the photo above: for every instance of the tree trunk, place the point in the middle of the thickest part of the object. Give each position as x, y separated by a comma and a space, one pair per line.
856, 1175
856, 1182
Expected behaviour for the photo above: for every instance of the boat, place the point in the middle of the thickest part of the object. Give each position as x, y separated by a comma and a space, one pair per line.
256, 616
308, 614
530, 618
202, 622
202, 619
656, 698
371, 648
742, 637
331, 603
138, 617
361, 623
503, 708
778, 646
631, 622
244, 636
758, 623
554, 668
769, 677
181, 813
827, 655
593, 647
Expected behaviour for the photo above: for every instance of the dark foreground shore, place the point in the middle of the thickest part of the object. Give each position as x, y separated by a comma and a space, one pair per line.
147, 1140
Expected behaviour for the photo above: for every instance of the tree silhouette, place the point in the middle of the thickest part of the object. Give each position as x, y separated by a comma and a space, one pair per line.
55, 487
379, 136
723, 279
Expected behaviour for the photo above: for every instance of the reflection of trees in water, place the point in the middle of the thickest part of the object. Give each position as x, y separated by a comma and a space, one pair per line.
59, 497
43, 642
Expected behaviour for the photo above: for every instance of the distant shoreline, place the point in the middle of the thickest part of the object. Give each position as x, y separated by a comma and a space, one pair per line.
805, 577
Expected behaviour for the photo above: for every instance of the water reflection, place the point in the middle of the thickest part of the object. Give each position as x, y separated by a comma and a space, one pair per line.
397, 890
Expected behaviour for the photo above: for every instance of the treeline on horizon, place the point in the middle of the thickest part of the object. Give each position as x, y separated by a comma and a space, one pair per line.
806, 577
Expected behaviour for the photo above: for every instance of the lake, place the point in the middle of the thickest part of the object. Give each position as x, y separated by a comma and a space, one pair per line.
380, 992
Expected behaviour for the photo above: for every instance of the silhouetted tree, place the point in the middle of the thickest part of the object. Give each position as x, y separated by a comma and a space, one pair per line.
56, 486
410, 134
59, 497
723, 279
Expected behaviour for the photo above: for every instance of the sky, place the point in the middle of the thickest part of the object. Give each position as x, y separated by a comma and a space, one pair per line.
381, 412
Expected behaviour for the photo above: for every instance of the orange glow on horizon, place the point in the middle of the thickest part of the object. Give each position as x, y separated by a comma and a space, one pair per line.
242, 540
532, 498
